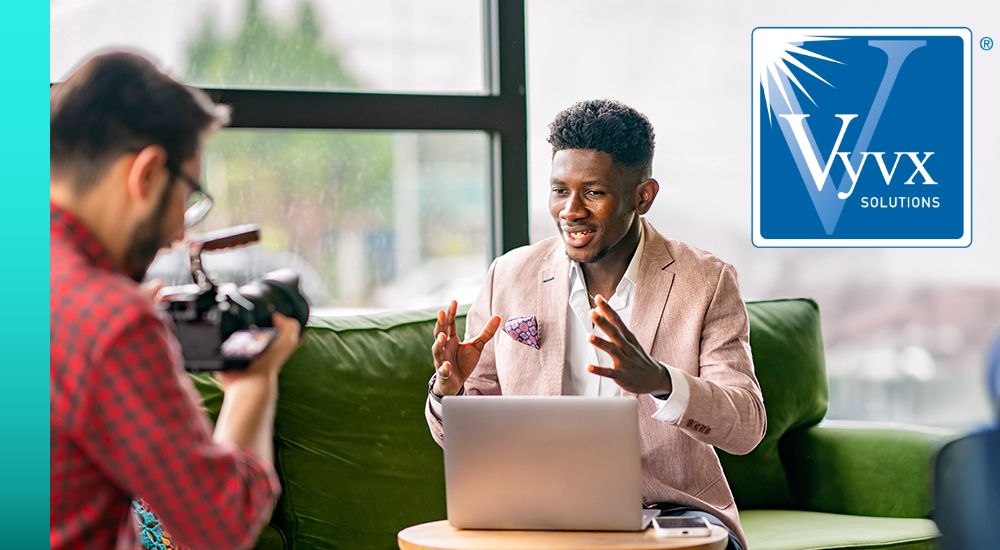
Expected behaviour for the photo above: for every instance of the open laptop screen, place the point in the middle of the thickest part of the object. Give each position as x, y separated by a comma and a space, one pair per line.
569, 463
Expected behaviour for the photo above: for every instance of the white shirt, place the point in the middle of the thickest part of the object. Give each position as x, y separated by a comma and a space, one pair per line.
577, 380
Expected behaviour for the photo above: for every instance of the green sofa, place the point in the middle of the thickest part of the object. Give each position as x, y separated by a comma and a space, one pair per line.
357, 463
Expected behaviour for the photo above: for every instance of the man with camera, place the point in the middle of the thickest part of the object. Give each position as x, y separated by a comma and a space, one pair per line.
126, 144
613, 308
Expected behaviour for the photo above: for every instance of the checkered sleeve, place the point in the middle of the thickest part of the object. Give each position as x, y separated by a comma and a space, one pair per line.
145, 431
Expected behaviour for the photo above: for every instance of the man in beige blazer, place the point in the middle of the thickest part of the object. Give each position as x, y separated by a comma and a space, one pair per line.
672, 333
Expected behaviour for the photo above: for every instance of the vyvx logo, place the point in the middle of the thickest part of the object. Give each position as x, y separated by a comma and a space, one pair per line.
862, 137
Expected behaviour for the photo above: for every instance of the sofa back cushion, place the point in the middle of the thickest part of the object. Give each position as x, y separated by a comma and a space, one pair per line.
357, 462
352, 448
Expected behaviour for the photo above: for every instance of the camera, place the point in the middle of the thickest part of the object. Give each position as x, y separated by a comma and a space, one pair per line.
222, 327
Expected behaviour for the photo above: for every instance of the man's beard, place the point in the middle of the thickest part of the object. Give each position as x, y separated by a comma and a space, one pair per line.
596, 257
147, 240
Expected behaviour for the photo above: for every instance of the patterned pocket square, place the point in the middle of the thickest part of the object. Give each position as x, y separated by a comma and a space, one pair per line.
524, 330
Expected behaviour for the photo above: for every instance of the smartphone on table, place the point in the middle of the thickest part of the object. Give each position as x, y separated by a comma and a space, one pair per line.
666, 526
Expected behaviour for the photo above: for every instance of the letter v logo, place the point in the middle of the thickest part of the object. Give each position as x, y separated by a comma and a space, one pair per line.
819, 175
803, 145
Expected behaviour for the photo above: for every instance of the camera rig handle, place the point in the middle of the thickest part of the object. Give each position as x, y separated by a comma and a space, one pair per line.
223, 239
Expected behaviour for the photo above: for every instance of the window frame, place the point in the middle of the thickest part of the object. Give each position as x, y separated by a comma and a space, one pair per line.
501, 112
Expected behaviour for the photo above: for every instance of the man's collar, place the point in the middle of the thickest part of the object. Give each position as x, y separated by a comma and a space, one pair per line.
632, 271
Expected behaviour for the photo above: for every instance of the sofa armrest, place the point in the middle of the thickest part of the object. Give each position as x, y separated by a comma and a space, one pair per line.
862, 468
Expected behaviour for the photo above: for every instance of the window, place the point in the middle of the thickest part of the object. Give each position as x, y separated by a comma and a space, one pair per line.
358, 45
392, 133
382, 220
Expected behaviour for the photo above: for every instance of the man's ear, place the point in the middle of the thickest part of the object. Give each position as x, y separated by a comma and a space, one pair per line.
645, 193
147, 174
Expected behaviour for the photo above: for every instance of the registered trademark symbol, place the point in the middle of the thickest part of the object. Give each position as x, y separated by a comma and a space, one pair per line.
986, 43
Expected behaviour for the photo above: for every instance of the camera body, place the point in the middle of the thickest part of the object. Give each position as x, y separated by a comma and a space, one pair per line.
222, 327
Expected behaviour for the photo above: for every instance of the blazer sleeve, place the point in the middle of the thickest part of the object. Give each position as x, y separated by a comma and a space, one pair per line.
725, 408
483, 380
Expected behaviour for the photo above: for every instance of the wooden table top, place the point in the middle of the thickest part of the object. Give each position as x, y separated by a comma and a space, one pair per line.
440, 535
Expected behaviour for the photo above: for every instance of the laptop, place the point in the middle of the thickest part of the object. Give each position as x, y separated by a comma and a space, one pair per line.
553, 463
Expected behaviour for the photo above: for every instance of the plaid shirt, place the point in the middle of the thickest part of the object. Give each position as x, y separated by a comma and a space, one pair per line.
125, 420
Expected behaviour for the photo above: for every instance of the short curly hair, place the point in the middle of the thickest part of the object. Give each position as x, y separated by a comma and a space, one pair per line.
608, 126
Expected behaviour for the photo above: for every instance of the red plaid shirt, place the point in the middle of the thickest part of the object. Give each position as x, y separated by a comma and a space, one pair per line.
125, 420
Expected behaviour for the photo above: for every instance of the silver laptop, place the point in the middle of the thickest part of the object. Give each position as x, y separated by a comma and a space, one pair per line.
560, 463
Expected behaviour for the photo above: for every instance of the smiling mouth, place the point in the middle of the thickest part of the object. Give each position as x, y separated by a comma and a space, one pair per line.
578, 238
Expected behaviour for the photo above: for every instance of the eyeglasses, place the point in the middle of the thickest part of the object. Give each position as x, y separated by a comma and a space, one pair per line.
198, 203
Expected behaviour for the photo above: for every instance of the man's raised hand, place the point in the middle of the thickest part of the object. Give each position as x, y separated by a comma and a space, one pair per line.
453, 359
632, 368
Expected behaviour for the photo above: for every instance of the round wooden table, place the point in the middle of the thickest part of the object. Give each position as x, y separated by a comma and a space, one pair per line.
440, 535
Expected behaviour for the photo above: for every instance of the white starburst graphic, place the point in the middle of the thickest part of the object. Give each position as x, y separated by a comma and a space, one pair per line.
773, 52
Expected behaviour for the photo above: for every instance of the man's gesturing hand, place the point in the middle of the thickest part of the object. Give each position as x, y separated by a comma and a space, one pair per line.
633, 369
455, 360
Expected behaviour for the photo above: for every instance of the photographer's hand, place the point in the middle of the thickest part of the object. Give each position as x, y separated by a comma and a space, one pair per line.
151, 290
247, 415
269, 362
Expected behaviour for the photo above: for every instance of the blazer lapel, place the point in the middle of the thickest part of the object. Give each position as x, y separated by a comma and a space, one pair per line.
653, 288
553, 296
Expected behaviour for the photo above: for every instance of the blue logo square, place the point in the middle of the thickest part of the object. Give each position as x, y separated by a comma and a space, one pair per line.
862, 137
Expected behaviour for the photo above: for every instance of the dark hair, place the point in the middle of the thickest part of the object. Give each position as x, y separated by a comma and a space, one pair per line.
608, 126
120, 102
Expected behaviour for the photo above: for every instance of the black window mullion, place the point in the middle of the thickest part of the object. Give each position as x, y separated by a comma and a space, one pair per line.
513, 203
357, 110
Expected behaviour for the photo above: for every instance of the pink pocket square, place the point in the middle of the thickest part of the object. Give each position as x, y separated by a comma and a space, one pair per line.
524, 330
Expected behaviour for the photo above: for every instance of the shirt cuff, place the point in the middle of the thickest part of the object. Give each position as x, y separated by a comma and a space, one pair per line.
435, 404
672, 408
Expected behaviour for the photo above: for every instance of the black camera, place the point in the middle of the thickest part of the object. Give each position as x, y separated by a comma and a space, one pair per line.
222, 327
